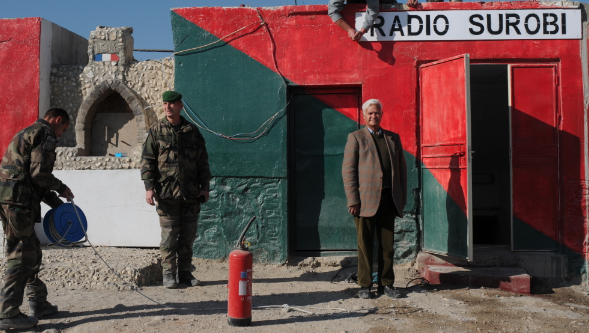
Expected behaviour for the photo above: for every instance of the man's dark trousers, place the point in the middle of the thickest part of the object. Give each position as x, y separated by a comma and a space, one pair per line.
179, 222
23, 260
383, 224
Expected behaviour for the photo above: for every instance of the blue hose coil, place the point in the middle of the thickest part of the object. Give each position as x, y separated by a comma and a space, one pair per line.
59, 219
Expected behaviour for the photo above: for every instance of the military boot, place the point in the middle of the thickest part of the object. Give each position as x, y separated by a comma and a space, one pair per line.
188, 279
41, 309
20, 321
170, 279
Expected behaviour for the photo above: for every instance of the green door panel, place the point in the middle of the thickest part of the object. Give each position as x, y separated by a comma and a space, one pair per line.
446, 224
446, 156
322, 221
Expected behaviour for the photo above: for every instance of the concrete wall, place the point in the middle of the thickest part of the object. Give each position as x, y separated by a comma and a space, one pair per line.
235, 94
58, 46
115, 208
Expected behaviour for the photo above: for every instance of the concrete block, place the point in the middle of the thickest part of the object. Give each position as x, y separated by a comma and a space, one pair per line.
505, 278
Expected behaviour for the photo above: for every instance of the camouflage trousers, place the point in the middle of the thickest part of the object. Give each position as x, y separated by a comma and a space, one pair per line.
23, 260
179, 221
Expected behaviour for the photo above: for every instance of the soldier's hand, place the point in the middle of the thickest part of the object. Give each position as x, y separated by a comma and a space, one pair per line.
204, 194
354, 210
359, 34
67, 193
150, 197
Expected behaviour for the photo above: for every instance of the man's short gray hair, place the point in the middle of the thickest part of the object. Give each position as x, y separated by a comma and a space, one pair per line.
370, 102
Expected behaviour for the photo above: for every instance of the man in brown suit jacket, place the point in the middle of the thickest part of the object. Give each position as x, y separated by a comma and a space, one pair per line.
375, 181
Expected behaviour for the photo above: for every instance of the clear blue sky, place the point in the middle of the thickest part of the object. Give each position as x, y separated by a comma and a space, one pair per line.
150, 19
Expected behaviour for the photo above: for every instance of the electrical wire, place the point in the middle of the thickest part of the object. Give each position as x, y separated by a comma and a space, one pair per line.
423, 282
337, 273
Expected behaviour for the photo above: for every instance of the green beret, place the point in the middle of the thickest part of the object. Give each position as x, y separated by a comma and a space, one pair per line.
171, 96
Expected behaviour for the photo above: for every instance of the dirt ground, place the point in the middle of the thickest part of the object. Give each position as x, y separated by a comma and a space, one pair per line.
306, 284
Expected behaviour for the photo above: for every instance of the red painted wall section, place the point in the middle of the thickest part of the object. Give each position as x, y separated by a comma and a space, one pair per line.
312, 51
19, 82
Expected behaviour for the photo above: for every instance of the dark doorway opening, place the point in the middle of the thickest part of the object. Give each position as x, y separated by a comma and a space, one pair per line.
490, 134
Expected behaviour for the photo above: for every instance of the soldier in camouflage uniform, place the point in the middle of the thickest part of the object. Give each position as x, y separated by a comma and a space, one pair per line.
25, 180
175, 170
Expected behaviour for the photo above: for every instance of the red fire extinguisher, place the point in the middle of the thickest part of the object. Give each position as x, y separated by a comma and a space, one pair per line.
239, 311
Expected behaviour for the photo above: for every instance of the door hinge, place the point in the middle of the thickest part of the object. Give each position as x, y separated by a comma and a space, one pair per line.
556, 80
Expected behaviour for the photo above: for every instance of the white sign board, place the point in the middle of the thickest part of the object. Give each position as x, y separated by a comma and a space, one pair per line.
474, 25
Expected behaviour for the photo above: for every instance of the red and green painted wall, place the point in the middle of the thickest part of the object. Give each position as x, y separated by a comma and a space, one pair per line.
302, 68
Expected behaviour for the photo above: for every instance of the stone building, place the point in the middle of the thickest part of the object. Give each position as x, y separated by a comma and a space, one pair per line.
112, 101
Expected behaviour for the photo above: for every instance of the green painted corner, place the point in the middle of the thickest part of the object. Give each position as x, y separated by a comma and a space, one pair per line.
412, 184
232, 203
232, 93
445, 227
531, 239
526, 238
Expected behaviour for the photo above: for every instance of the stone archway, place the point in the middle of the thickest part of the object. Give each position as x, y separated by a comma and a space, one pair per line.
89, 106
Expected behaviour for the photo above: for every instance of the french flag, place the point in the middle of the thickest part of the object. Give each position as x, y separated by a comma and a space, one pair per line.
106, 57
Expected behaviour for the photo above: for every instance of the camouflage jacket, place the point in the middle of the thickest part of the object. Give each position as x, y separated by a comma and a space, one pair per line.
175, 163
26, 176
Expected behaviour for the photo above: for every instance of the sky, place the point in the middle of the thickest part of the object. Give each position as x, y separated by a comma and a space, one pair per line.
150, 19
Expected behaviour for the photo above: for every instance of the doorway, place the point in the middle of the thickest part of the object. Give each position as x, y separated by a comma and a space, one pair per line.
491, 183
489, 156
320, 120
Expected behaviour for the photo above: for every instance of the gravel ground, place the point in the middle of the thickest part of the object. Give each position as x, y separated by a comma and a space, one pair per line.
91, 300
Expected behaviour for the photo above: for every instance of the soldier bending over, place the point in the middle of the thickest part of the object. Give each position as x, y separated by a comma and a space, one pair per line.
26, 179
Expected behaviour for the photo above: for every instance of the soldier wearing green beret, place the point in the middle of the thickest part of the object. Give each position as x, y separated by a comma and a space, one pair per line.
26, 179
175, 171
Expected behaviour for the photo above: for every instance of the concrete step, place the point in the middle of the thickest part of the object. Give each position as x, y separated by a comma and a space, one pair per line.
505, 278
543, 265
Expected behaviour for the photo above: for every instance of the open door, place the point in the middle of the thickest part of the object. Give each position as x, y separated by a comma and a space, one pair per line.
446, 157
534, 157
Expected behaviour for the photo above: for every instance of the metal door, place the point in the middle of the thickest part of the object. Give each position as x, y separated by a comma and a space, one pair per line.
534, 157
322, 121
446, 157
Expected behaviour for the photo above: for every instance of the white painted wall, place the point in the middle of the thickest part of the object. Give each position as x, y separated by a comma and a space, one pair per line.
114, 204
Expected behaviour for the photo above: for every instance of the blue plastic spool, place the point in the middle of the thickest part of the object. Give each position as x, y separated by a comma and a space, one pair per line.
61, 218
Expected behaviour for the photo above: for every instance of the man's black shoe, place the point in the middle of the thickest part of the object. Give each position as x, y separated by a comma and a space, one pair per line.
364, 292
188, 279
392, 292
41, 309
20, 321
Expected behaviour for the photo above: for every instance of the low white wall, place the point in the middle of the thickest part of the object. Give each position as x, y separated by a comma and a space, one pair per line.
114, 204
